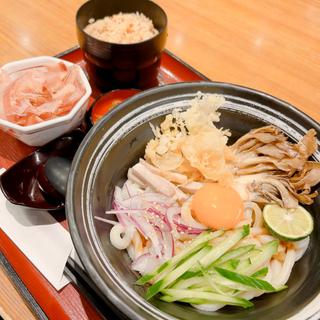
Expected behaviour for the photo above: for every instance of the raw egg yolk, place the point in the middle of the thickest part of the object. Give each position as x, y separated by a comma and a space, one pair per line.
217, 206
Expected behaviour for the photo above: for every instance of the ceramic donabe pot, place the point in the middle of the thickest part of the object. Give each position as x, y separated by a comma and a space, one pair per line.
118, 141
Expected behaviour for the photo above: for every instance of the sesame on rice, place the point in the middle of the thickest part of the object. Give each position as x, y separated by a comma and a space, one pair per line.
122, 28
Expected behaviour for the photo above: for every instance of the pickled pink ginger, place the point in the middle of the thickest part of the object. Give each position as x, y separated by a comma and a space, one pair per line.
39, 93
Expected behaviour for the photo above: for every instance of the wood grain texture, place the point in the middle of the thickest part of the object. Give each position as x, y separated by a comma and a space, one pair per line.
270, 45
10, 297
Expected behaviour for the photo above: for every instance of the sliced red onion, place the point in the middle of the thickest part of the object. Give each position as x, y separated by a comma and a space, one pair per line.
164, 220
119, 210
168, 245
188, 230
131, 189
106, 220
181, 227
117, 194
151, 197
122, 218
147, 230
122, 211
171, 213
161, 241
187, 217
146, 263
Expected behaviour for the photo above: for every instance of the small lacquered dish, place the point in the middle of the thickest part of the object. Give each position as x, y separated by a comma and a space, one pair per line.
26, 183
108, 101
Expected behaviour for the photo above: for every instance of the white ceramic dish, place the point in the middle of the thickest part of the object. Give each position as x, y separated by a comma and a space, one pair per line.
41, 133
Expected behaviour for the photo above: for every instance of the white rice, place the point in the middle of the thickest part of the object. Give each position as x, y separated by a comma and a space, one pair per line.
122, 28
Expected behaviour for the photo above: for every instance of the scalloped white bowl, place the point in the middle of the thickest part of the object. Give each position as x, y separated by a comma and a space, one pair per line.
41, 133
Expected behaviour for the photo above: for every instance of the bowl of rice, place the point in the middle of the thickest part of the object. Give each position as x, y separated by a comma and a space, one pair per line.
122, 42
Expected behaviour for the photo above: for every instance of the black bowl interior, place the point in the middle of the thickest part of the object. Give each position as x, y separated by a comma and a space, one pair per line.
117, 142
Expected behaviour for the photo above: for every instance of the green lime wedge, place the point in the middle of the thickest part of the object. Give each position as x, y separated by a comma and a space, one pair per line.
288, 224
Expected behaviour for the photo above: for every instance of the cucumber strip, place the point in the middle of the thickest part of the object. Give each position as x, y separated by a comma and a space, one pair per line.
168, 298
184, 284
200, 283
283, 287
221, 248
194, 301
231, 285
224, 260
191, 274
259, 259
260, 273
198, 297
225, 290
248, 281
209, 280
204, 288
249, 254
169, 265
231, 264
176, 273
233, 254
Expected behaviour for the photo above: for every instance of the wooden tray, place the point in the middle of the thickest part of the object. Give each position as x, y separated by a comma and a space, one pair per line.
76, 300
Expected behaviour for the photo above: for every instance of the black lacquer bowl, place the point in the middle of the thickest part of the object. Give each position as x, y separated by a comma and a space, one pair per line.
117, 142
114, 65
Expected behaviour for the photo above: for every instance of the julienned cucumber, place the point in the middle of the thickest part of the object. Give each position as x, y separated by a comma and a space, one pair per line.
258, 259
221, 248
196, 297
228, 260
169, 265
233, 254
176, 273
245, 280
214, 273
260, 273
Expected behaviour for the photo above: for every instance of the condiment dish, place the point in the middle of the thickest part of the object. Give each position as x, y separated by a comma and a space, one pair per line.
41, 133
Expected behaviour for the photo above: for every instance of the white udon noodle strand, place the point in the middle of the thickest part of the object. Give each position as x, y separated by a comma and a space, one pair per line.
252, 215
135, 249
256, 293
301, 247
282, 277
208, 307
264, 238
